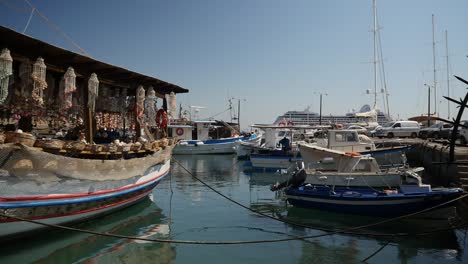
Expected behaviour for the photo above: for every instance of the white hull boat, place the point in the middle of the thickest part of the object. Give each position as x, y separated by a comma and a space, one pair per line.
245, 148
77, 190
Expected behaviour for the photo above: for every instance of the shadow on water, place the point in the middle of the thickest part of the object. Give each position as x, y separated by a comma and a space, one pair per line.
267, 178
143, 219
216, 169
329, 221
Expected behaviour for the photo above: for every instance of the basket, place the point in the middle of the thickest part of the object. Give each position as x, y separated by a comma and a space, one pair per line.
155, 144
123, 148
164, 142
23, 138
135, 147
148, 146
52, 144
97, 148
111, 148
87, 147
68, 145
78, 146
40, 143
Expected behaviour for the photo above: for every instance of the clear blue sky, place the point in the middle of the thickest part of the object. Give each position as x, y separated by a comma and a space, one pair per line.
277, 55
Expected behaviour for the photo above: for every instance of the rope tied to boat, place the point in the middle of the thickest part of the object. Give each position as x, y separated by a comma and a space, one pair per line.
328, 232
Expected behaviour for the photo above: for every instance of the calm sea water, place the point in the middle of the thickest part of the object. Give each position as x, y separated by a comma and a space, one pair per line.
182, 208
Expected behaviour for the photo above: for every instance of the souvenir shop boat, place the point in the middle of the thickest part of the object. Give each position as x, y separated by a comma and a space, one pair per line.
55, 189
52, 176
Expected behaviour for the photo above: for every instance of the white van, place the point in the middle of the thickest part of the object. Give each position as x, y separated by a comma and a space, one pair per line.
399, 129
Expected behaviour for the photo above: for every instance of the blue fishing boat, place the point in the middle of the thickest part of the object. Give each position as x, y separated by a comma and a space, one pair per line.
371, 202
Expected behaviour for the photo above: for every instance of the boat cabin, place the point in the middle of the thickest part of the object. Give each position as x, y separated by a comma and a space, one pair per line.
181, 132
196, 130
345, 140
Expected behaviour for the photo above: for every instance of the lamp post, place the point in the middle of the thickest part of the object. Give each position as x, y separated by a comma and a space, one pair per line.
320, 117
428, 105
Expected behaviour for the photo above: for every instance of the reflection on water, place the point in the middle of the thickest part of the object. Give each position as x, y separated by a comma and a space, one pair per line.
218, 169
185, 209
142, 219
408, 246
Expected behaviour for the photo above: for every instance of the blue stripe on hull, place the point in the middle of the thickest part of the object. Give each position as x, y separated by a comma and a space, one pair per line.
382, 206
149, 185
219, 141
385, 151
369, 210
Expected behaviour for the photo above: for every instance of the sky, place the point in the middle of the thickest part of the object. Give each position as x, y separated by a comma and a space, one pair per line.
272, 55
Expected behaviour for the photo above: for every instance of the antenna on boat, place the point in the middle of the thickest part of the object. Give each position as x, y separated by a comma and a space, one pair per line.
434, 66
448, 77
384, 90
375, 52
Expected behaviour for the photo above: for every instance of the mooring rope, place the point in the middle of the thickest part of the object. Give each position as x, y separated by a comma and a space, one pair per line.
291, 238
344, 231
376, 252
212, 242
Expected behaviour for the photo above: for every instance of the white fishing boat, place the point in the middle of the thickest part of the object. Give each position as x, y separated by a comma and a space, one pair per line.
195, 139
247, 147
351, 141
333, 167
279, 150
271, 157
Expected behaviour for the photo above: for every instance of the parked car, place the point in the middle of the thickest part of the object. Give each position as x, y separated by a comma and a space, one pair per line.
438, 130
359, 129
463, 131
373, 132
399, 129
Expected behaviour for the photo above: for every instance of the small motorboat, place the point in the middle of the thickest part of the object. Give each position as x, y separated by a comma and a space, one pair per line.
406, 199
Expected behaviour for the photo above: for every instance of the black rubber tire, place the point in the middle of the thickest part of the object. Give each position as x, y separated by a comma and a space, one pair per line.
414, 135
390, 135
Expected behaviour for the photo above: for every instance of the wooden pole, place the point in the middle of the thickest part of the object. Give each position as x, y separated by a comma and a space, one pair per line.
90, 124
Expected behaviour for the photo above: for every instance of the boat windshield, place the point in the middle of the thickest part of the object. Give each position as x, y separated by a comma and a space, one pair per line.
388, 124
284, 134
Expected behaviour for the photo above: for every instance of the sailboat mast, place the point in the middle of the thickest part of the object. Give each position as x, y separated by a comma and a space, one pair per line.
434, 66
384, 81
448, 78
375, 53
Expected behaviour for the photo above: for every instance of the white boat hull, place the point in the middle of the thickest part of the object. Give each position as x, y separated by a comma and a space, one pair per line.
354, 179
216, 148
272, 162
52, 212
245, 148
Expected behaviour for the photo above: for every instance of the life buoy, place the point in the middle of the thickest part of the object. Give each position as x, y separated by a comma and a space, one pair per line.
281, 123
290, 123
179, 131
161, 118
353, 154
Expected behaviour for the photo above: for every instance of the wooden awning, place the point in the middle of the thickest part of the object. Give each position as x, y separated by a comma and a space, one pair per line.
58, 59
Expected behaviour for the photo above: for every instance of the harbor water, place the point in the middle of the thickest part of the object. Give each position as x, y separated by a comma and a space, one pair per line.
184, 209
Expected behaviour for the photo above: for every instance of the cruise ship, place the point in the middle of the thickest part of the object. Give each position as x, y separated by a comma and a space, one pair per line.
307, 117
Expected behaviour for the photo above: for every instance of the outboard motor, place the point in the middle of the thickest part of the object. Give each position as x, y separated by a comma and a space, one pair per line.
297, 179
